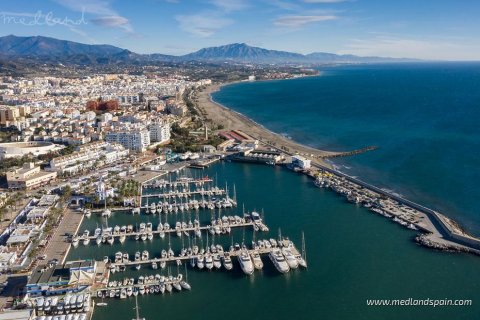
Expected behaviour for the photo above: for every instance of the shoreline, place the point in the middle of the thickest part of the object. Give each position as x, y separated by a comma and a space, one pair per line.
444, 233
232, 119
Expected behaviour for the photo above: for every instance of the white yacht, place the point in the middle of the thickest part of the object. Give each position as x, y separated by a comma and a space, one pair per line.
153, 208
279, 261
257, 260
106, 213
200, 263
217, 263
246, 262
208, 261
227, 261
290, 258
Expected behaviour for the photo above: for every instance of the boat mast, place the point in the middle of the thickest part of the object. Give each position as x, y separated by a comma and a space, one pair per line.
234, 194
304, 250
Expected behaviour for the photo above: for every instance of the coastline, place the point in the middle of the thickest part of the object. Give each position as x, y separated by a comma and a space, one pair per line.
442, 232
231, 119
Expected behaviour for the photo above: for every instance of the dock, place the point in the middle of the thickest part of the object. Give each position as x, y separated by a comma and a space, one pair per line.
224, 228
204, 163
185, 194
191, 255
182, 182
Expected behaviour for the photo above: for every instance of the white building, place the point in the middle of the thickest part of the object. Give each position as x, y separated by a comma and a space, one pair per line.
132, 139
7, 259
159, 132
301, 162
87, 155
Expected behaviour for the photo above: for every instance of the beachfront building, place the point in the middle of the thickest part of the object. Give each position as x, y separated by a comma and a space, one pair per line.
28, 177
133, 139
301, 162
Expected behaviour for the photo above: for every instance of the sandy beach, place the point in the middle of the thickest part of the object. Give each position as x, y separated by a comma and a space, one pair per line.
234, 120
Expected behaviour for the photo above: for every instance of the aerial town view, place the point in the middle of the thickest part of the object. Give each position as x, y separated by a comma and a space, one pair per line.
156, 161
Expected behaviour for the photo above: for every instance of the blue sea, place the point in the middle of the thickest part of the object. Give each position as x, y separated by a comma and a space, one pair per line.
424, 118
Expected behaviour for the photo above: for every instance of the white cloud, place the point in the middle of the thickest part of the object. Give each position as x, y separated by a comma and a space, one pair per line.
110, 21
203, 25
388, 46
229, 5
102, 9
297, 21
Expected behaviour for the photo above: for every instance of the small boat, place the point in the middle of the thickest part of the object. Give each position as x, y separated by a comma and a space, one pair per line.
177, 286
106, 213
75, 242
217, 263
200, 261
227, 261
208, 261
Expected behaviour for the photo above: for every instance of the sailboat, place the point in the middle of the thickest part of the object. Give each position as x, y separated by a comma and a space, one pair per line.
106, 212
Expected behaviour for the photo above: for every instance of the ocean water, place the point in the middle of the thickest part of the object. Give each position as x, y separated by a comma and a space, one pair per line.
353, 254
423, 117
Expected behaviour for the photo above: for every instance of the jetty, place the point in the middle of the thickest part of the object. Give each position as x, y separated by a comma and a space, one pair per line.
184, 194
217, 227
218, 257
180, 182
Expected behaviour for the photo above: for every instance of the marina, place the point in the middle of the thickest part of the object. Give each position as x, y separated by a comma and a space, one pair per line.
193, 243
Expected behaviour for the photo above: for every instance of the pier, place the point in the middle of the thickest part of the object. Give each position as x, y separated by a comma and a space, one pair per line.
185, 194
216, 253
223, 228
182, 182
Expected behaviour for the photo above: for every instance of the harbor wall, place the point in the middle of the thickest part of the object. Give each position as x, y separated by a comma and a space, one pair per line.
446, 229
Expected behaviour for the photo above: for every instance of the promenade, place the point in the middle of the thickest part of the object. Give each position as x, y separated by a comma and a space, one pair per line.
59, 245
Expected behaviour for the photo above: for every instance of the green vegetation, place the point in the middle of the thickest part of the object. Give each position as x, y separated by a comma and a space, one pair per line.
129, 188
189, 96
182, 141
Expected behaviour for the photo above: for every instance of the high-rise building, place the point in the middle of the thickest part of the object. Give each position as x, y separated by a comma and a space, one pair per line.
159, 131
132, 139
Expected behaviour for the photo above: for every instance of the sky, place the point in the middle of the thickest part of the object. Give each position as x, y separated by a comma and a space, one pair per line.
425, 29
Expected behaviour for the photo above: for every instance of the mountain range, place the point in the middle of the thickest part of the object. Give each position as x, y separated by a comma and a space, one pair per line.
63, 51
